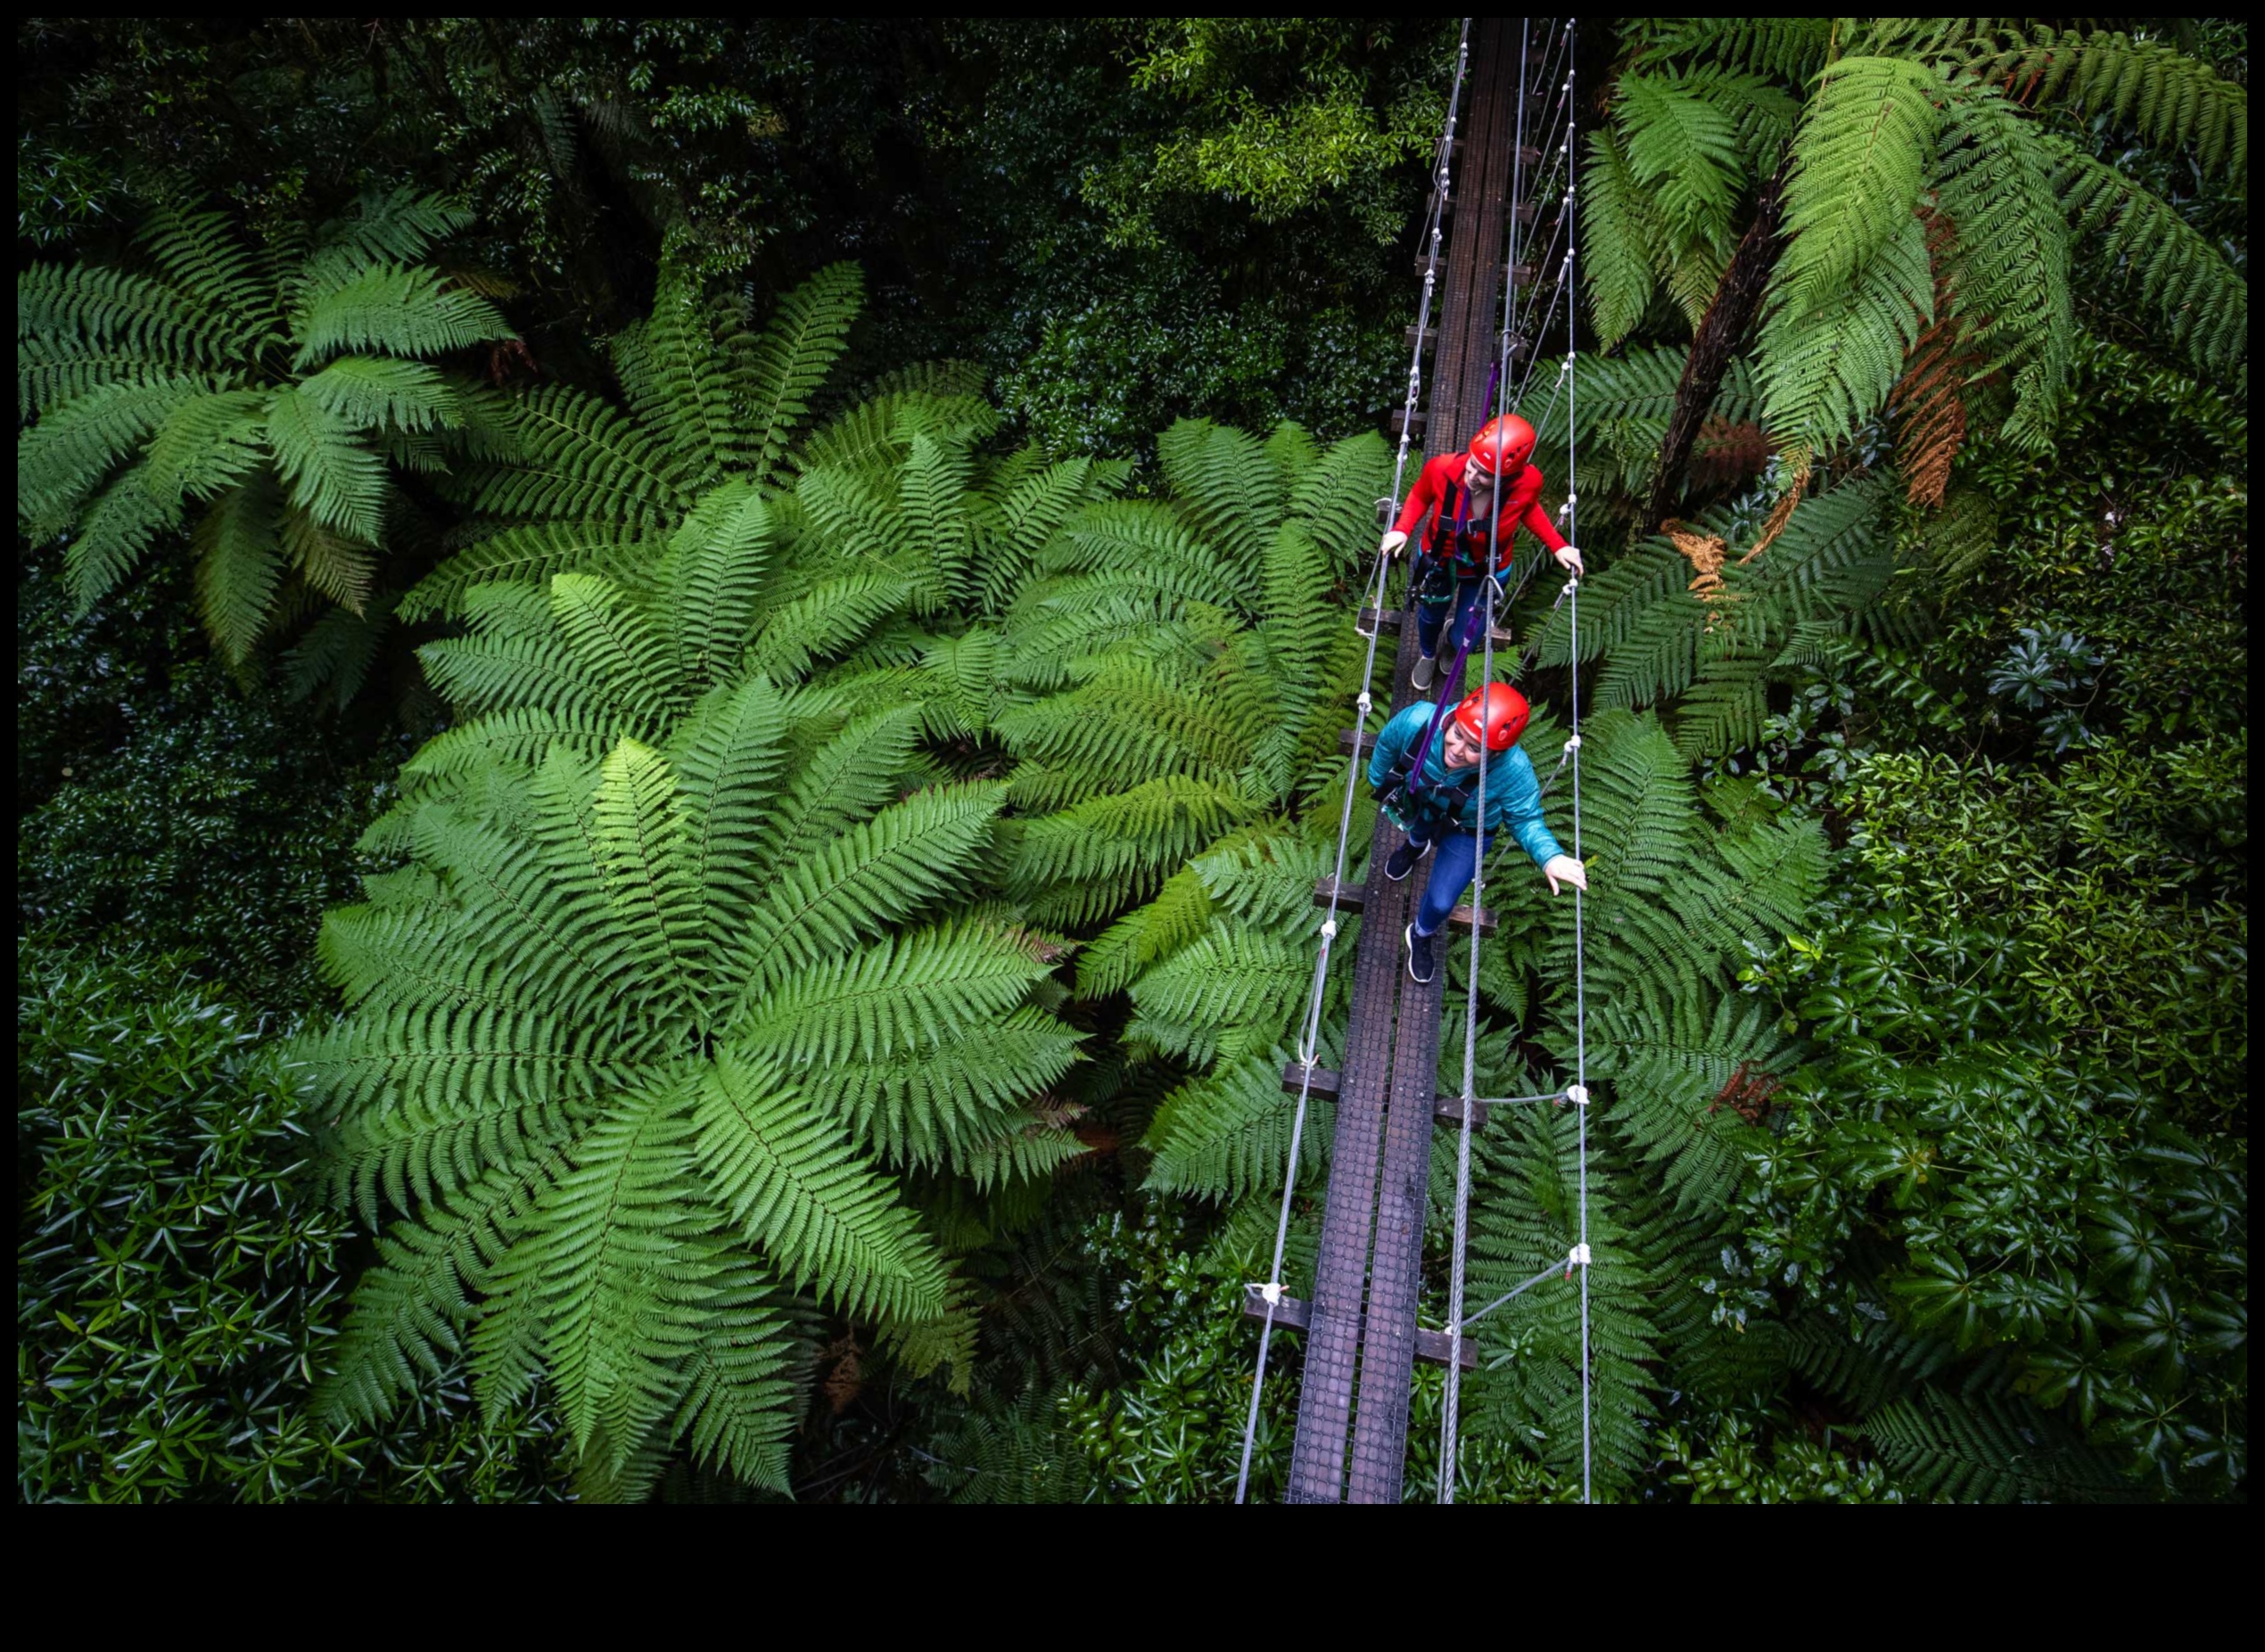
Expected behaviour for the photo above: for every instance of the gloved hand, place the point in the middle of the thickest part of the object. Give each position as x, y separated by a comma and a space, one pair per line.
1392, 543
1569, 559
1564, 868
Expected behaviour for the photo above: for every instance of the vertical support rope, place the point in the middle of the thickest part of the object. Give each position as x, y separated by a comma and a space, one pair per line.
1451, 1407
1309, 1040
1573, 674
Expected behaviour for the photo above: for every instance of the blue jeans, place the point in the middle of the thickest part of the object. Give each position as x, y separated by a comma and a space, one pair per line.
1451, 865
1431, 617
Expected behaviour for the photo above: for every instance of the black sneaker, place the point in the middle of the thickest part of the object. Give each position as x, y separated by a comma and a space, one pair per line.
1419, 966
1402, 861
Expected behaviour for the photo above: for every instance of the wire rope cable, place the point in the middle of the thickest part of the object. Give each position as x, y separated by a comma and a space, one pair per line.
1309, 1038
1580, 969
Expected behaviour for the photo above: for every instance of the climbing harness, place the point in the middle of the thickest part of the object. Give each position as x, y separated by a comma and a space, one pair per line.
1309, 1038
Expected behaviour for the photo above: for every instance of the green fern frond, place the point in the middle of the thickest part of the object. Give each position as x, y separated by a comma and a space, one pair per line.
531, 554
2172, 101
2201, 301
1226, 1135
827, 1218
1992, 1448
375, 391
239, 562
558, 453
785, 365
326, 469
397, 310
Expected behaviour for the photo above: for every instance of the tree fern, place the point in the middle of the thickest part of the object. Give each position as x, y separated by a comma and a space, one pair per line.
667, 993
179, 366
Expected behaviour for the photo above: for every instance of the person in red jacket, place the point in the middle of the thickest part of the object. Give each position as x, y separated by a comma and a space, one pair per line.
1447, 516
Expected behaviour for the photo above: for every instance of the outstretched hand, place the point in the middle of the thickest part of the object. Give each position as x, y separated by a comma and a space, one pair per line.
1565, 869
1392, 543
1569, 559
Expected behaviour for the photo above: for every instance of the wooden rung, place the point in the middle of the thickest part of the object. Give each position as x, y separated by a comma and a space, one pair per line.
1446, 1112
1289, 1312
1433, 1347
1415, 424
1345, 736
1327, 1084
1430, 338
1294, 1314
1526, 211
1349, 900
1371, 620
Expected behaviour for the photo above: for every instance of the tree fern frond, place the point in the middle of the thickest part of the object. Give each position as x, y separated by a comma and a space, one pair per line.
92, 306
679, 383
326, 469
1991, 1448
1226, 1135
787, 364
239, 561
905, 859
370, 391
932, 1106
717, 562
2201, 301
2172, 101
69, 453
340, 568
395, 310
1225, 484
1861, 159
2010, 255
1829, 358
559, 453
532, 553
891, 996
411, 1307
824, 621
827, 1219
738, 1408
113, 532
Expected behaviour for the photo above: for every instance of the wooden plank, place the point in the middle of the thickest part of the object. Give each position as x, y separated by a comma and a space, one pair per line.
1371, 620
1345, 738
1432, 1347
1293, 1314
1290, 1313
1446, 1112
1351, 898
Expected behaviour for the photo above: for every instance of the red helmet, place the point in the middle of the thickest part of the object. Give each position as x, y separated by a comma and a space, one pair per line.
1503, 445
1503, 719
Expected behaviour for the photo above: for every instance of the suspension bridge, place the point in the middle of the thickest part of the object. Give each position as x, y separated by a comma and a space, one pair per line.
1497, 268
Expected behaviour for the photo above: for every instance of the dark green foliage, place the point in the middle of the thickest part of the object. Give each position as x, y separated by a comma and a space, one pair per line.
160, 806
178, 1273
255, 397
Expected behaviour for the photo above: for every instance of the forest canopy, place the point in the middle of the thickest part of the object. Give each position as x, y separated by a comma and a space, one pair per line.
683, 684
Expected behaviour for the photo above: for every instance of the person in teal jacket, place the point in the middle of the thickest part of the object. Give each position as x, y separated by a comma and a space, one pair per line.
1439, 810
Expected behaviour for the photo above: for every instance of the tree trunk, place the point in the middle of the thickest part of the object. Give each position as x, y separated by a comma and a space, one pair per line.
1722, 331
